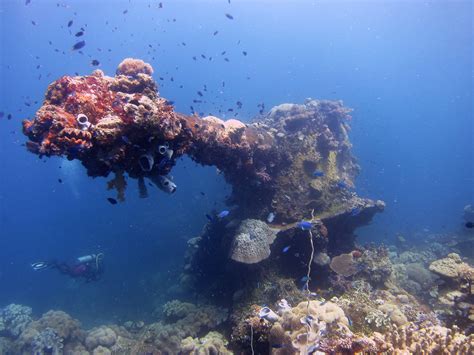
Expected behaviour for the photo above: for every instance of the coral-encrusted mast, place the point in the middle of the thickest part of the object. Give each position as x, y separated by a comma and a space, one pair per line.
120, 124
125, 123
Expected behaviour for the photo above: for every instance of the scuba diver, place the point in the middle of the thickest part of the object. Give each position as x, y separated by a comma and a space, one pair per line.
89, 267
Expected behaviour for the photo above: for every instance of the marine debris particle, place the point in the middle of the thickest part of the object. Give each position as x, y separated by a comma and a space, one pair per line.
126, 119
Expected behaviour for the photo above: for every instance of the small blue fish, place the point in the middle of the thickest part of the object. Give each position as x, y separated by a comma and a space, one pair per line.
355, 211
318, 173
279, 346
126, 140
342, 185
209, 218
223, 214
271, 217
308, 320
304, 279
350, 321
285, 249
305, 225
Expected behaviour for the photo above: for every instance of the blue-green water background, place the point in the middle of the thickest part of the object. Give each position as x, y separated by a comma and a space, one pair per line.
404, 66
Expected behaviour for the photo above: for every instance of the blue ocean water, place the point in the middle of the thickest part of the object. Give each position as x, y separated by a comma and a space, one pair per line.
405, 67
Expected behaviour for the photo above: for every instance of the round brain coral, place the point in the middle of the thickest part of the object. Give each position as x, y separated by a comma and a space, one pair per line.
101, 336
133, 67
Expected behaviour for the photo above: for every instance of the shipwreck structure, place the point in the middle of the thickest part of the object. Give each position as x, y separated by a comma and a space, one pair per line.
291, 164
294, 160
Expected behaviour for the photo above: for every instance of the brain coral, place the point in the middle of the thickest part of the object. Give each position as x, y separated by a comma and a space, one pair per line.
251, 243
101, 336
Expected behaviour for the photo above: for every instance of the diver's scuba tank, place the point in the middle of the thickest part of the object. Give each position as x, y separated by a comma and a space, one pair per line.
92, 260
86, 258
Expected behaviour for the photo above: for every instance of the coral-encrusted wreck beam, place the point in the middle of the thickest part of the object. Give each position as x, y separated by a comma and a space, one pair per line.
292, 161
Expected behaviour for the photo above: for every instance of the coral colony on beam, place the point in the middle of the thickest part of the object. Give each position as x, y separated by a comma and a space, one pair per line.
121, 125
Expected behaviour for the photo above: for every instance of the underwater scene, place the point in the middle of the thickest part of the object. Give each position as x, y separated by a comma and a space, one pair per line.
236, 177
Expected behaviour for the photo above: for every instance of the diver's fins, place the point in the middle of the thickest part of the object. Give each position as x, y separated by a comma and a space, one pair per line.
40, 265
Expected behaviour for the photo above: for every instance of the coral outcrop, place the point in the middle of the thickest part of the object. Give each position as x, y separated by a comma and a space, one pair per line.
101, 336
182, 320
455, 296
47, 342
52, 330
252, 241
14, 318
452, 268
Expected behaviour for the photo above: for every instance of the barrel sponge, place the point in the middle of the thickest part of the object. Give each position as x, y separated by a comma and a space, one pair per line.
101, 336
251, 243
